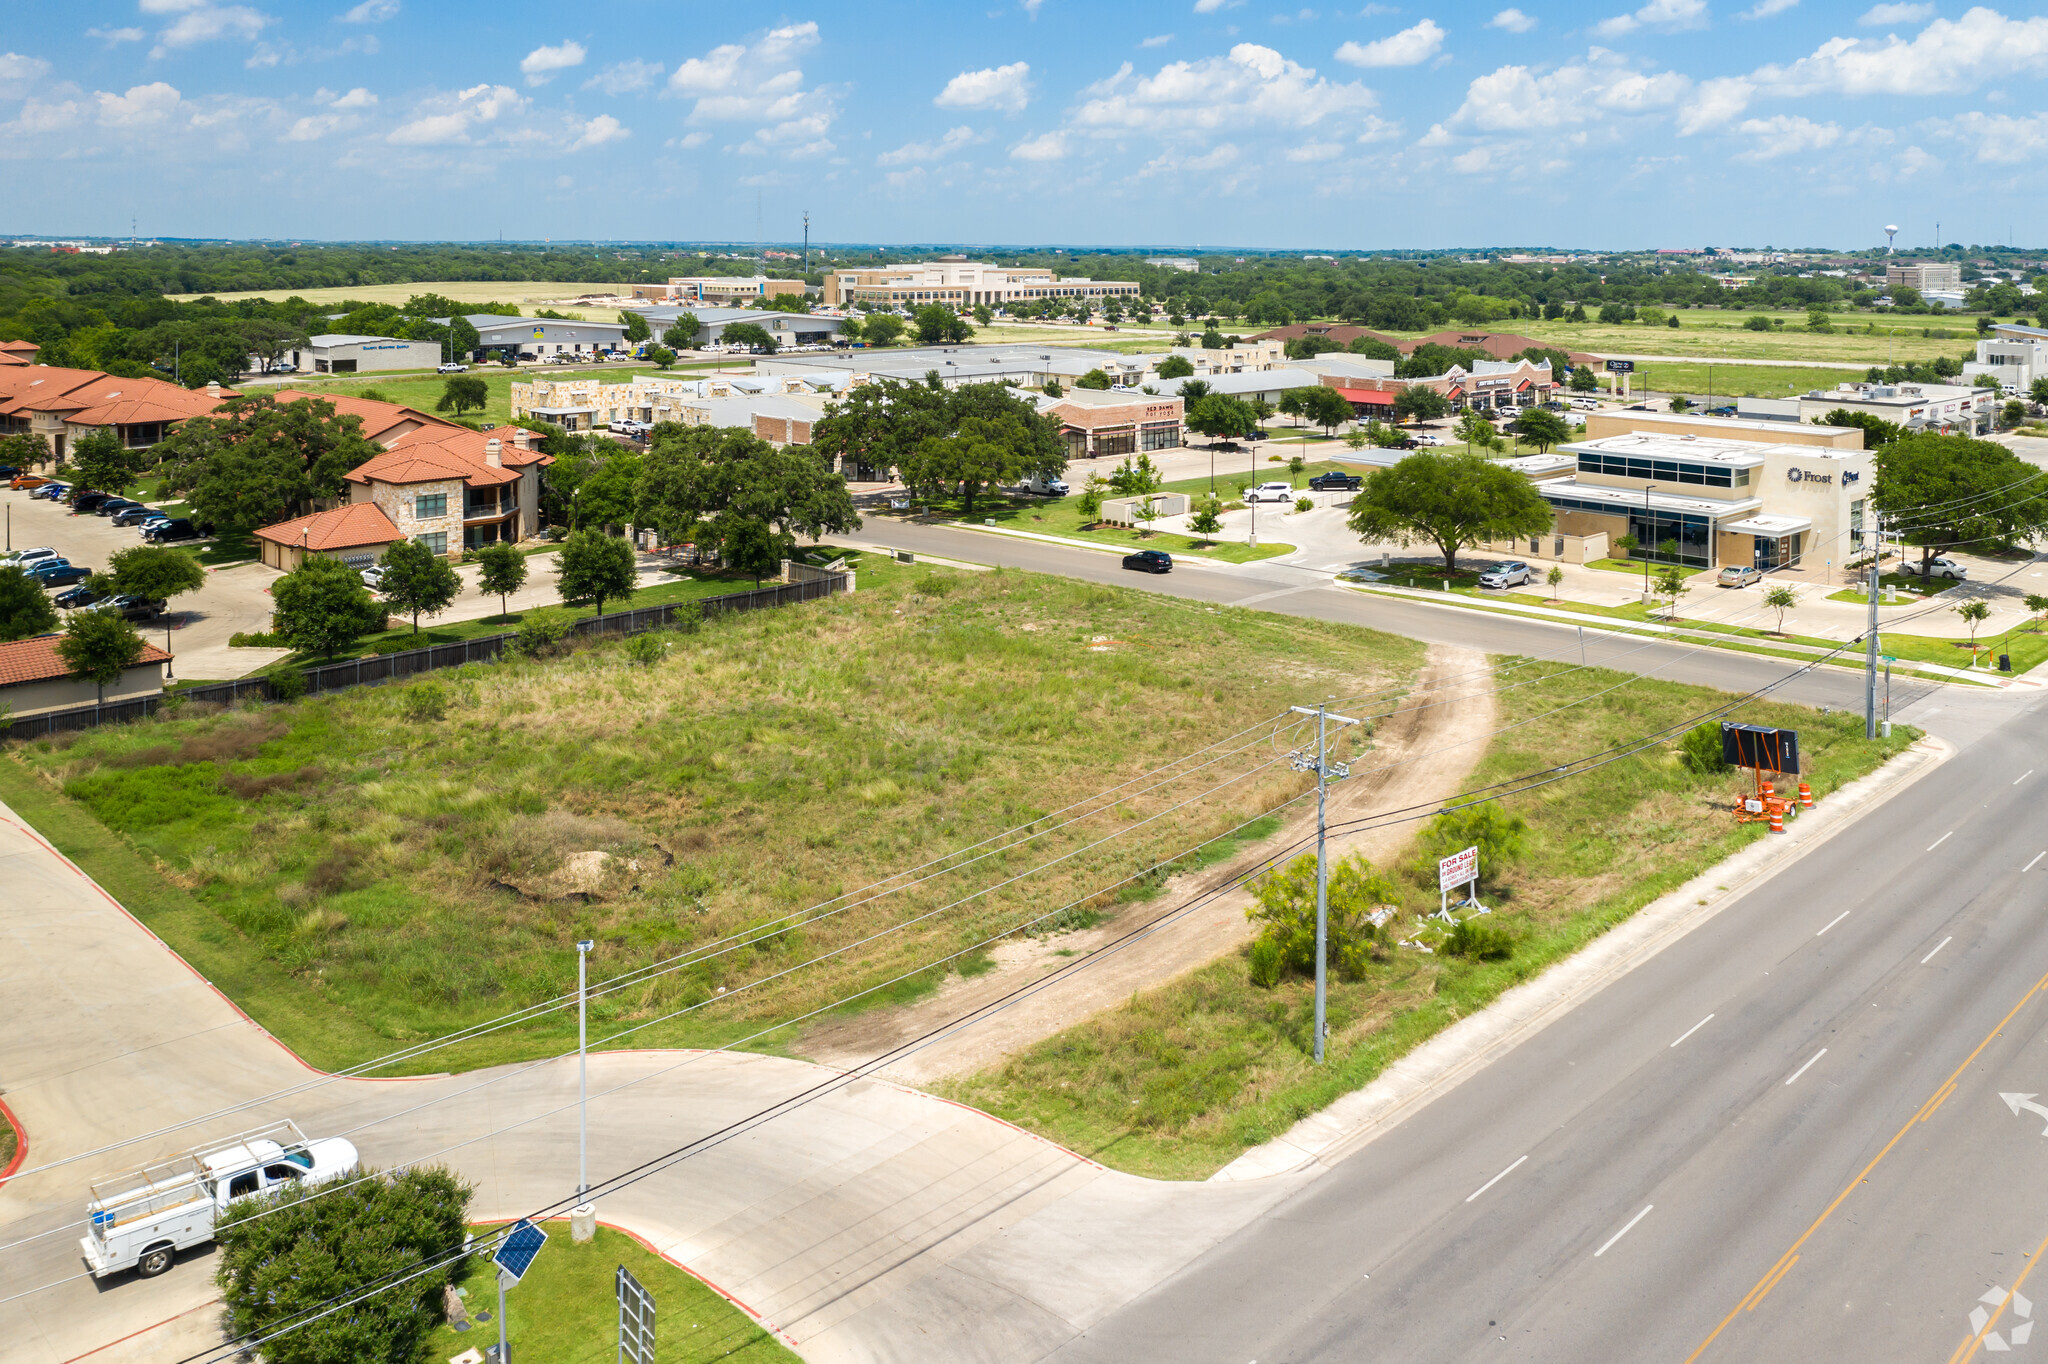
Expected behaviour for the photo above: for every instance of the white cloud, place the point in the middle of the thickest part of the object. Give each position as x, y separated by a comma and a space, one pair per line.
910, 152
1007, 88
1315, 151
459, 119
1477, 161
1157, 40
1044, 147
1211, 6
18, 73
1878, 15
371, 12
1513, 20
760, 82
1764, 9
1714, 103
1786, 135
358, 98
313, 127
142, 104
1999, 139
111, 36
622, 78
203, 23
691, 141
1218, 158
1949, 56
1516, 99
1668, 16
1409, 47
541, 64
1252, 87
598, 131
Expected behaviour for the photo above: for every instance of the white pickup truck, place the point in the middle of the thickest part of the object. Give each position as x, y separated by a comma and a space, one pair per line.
142, 1218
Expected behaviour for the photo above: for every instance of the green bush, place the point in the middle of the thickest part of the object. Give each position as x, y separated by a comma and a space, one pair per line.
287, 684
540, 632
647, 649
393, 644
424, 702
1499, 836
1479, 940
687, 618
1285, 902
1268, 962
1700, 749
257, 639
1302, 504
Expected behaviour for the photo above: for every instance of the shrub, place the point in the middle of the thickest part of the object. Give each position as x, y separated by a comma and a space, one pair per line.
540, 632
687, 618
287, 684
1285, 901
1479, 940
1499, 836
393, 644
424, 702
1302, 504
1700, 749
1268, 962
647, 649
256, 639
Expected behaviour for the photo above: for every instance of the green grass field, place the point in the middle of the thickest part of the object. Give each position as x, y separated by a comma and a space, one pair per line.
1182, 1079
1720, 332
530, 293
359, 874
1062, 516
423, 391
1735, 381
565, 1311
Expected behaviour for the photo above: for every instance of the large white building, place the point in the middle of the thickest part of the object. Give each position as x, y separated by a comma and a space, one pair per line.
338, 353
1949, 409
2015, 355
962, 284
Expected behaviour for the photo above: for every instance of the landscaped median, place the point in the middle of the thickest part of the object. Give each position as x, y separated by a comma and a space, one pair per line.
1059, 518
1182, 1079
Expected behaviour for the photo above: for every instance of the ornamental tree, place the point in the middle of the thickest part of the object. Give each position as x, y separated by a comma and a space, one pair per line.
99, 645
417, 580
321, 607
1450, 501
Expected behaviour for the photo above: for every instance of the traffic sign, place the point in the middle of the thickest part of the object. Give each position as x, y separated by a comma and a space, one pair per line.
1459, 869
515, 1253
636, 1319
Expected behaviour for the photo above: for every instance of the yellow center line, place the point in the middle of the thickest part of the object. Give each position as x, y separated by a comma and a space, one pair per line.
1765, 1284
1968, 1349
1772, 1281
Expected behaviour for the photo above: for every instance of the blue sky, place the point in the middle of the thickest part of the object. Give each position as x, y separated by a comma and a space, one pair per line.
1676, 123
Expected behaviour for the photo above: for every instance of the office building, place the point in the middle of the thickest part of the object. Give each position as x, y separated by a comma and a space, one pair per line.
2015, 355
1924, 275
726, 289
338, 353
962, 285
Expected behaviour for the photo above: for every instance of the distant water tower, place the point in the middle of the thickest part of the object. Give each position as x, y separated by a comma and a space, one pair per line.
1890, 232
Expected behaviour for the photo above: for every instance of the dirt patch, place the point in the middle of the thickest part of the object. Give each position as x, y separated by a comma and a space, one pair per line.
1422, 753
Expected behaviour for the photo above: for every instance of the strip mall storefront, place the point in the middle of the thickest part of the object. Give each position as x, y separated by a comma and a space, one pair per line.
1708, 503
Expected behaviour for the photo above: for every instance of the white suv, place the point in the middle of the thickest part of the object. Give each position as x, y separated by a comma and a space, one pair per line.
1271, 492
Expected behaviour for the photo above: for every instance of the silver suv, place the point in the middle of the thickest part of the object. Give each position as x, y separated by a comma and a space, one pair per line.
1510, 574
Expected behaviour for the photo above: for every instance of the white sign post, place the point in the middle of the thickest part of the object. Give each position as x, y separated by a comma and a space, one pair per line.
1459, 869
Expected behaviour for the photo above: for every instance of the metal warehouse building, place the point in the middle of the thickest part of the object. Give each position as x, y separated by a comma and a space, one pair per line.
538, 338
338, 353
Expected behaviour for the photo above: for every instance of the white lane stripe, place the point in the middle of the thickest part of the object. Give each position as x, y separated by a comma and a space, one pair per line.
1495, 1180
1694, 1028
1624, 1231
1832, 922
1937, 947
1939, 841
2037, 857
2023, 776
1802, 1070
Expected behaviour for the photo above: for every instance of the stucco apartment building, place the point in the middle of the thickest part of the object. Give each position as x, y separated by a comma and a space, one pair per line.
62, 405
962, 284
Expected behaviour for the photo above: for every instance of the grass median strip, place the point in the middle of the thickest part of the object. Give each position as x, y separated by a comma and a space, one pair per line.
384, 865
1182, 1079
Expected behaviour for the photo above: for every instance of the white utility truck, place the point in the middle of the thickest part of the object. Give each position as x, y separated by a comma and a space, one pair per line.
142, 1218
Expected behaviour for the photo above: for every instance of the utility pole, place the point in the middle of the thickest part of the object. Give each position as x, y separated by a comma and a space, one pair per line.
1324, 770
583, 947
807, 241
1870, 641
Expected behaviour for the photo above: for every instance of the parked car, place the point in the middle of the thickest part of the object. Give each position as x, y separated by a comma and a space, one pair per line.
452, 369
1738, 575
1513, 573
21, 482
88, 501
1334, 482
1150, 561
134, 515
373, 577
22, 558
1270, 492
58, 573
1427, 439
130, 606
72, 598
52, 492
1045, 484
175, 528
151, 519
114, 505
9, 470
1940, 566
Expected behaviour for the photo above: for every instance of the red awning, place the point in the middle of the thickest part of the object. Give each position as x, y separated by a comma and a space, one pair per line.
1369, 397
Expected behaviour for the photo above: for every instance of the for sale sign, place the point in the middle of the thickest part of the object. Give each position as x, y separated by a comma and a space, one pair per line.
1459, 869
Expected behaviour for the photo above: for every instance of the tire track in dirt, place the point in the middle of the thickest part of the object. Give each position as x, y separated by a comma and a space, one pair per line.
1436, 737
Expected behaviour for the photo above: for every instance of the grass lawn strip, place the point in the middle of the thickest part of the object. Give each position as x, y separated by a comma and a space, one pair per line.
1061, 516
566, 1308
1181, 1080
359, 875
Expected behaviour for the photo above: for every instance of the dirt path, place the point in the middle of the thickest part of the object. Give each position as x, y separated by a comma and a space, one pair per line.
1437, 737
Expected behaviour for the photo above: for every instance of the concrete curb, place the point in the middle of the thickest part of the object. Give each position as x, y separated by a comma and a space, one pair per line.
1475, 1042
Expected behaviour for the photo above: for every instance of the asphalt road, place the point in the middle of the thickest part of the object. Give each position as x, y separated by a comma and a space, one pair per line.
1748, 1149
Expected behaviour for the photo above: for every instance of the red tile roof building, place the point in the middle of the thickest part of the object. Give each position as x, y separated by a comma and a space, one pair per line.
34, 678
358, 531
63, 404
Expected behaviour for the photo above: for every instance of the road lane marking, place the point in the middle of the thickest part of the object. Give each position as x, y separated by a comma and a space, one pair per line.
1967, 1351
1770, 1281
1694, 1028
2037, 857
1495, 1180
1940, 1097
1809, 1061
1832, 922
1624, 1231
2023, 776
1937, 947
1861, 1175
1939, 841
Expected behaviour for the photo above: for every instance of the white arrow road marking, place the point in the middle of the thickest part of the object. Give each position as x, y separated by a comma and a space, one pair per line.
2018, 1101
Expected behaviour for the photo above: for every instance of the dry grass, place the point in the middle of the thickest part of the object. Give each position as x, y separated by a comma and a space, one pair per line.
1181, 1080
535, 292
353, 866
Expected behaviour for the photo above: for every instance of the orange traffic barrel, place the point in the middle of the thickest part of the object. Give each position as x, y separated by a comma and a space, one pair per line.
1805, 795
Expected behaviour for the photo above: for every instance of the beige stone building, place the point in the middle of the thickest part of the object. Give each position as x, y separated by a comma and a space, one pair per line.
454, 489
730, 290
962, 284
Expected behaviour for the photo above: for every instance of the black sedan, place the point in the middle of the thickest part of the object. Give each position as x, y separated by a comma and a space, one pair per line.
113, 506
135, 515
1150, 561
58, 573
71, 598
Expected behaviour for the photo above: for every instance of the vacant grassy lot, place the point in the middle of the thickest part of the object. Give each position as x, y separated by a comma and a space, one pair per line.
1183, 1079
423, 391
1858, 338
533, 292
1062, 516
566, 1310
385, 865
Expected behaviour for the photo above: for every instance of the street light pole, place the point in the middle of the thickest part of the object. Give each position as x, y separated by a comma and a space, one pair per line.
1649, 528
583, 947
1324, 770
1870, 644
